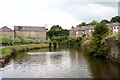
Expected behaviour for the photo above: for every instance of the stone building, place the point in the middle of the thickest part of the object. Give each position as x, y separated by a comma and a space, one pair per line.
86, 30
114, 27
7, 32
81, 31
30, 32
114, 48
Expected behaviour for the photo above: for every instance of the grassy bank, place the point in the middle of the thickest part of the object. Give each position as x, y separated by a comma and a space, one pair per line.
8, 51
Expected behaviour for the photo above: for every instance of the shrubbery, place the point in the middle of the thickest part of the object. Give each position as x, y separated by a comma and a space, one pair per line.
6, 41
96, 46
67, 41
55, 43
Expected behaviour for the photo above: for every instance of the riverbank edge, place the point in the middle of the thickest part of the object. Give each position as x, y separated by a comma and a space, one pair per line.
106, 57
7, 52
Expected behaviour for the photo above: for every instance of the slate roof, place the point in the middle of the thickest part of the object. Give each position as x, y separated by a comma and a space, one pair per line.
29, 28
84, 28
5, 28
113, 24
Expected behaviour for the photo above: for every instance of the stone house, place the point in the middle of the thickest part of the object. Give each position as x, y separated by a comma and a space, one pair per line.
114, 27
7, 32
81, 31
30, 32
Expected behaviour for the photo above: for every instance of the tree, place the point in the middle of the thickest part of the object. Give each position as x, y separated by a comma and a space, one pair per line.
115, 19
82, 24
104, 21
57, 31
101, 29
93, 22
96, 45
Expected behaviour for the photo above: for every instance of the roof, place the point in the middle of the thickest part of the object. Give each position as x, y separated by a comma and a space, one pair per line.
113, 24
83, 28
5, 28
29, 28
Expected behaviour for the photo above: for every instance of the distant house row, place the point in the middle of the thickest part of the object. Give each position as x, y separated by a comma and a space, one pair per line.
32, 32
87, 30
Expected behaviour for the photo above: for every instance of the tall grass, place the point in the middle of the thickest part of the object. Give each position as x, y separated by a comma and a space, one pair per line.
19, 40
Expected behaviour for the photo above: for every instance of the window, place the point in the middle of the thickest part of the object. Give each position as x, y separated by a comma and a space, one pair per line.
83, 31
89, 30
76, 32
118, 27
114, 27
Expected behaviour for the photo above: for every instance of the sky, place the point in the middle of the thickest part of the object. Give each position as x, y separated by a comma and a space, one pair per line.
66, 13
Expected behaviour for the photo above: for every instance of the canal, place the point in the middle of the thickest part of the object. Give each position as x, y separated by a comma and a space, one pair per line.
59, 63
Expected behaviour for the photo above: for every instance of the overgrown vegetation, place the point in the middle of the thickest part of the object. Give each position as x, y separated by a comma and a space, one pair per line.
57, 31
8, 51
96, 46
19, 40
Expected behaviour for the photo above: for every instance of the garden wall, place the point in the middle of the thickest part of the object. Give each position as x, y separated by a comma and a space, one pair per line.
114, 49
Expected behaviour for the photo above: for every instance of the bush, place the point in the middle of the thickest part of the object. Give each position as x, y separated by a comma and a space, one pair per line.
55, 43
31, 41
5, 41
55, 38
64, 42
85, 38
12, 41
50, 43
37, 41
17, 40
26, 41
96, 47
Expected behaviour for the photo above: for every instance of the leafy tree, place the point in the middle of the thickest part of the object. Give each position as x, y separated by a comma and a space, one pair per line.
115, 19
96, 45
104, 21
101, 29
54, 31
93, 22
57, 31
82, 24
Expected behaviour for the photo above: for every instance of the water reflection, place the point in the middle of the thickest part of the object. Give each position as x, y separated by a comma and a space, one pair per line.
66, 63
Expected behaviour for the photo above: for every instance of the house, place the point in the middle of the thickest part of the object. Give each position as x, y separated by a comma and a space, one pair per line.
114, 27
86, 30
81, 31
32, 32
7, 32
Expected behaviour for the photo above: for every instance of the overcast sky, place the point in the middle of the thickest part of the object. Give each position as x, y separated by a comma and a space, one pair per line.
65, 13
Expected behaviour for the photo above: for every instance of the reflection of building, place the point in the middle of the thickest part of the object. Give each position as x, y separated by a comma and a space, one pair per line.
5, 31
81, 31
30, 32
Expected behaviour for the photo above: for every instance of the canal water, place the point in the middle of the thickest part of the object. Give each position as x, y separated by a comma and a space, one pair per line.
60, 63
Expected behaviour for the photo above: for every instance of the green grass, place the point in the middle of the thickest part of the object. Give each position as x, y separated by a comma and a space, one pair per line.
113, 35
8, 51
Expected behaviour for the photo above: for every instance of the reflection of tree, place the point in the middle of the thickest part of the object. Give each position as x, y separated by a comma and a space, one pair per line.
72, 54
56, 58
100, 68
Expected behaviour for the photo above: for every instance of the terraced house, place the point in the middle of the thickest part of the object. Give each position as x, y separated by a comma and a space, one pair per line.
30, 32
81, 31
86, 30
114, 27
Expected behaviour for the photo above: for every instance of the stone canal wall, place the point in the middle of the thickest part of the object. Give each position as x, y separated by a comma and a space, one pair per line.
114, 49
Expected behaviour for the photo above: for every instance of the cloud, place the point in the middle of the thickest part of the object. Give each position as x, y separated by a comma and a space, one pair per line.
54, 12
90, 11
